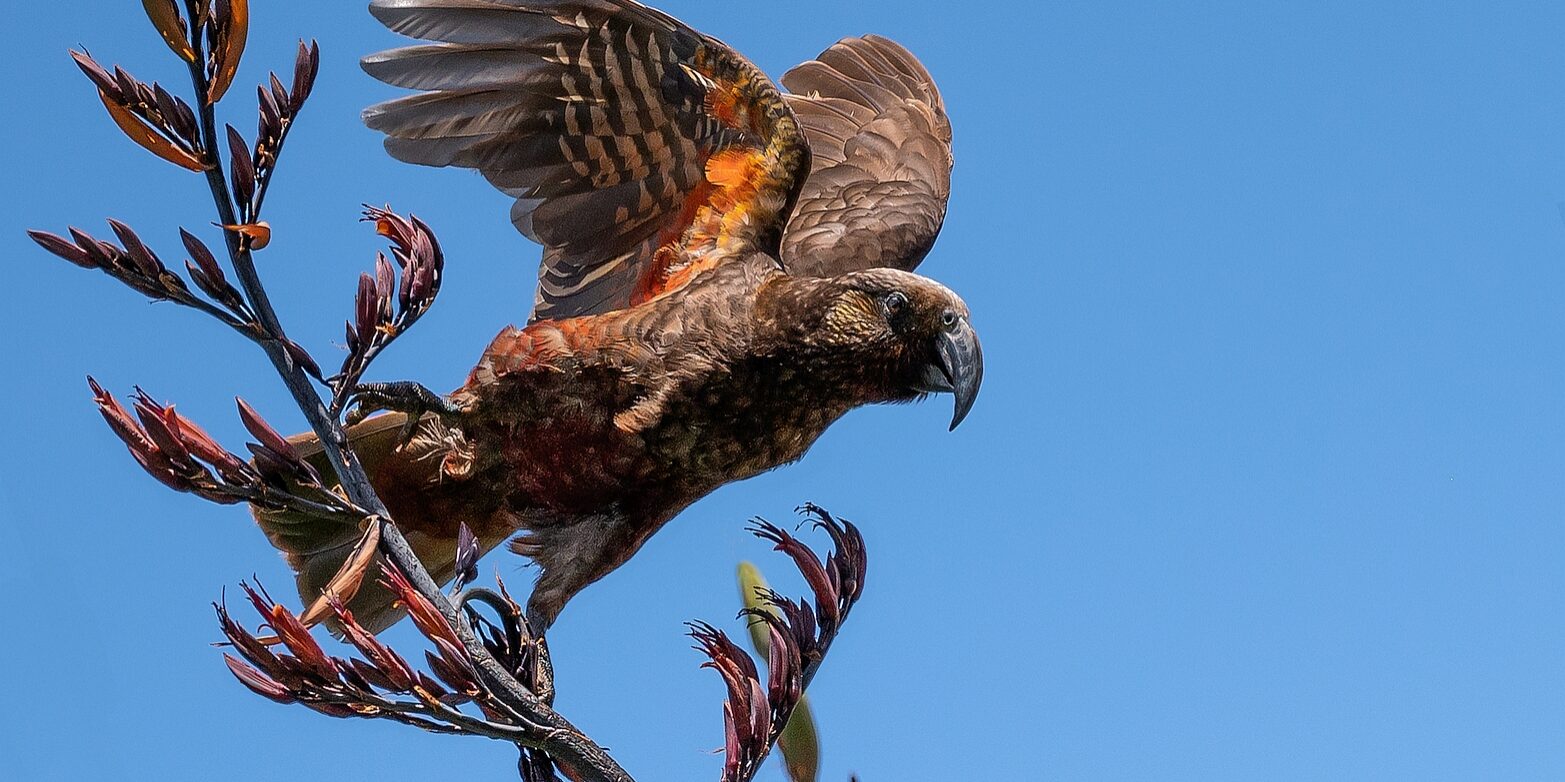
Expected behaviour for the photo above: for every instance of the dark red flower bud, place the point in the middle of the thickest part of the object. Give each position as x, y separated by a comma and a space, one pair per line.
467, 554
233, 469
259, 683
62, 247
390, 671
294, 635
101, 255
271, 119
161, 425
826, 595
279, 93
306, 65
367, 308
100, 77
262, 431
119, 419
425, 616
146, 262
243, 169
303, 358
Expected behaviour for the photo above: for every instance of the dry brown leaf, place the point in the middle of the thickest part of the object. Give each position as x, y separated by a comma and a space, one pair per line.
148, 138
166, 18
235, 32
349, 578
259, 234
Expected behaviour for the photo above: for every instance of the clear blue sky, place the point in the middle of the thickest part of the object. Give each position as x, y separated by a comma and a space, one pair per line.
1267, 480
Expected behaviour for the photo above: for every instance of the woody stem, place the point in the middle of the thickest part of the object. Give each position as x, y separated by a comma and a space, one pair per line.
558, 736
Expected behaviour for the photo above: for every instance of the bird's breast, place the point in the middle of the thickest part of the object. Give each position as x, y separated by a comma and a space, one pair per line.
569, 450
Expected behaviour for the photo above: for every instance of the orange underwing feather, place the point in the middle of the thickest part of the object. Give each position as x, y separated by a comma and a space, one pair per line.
640, 152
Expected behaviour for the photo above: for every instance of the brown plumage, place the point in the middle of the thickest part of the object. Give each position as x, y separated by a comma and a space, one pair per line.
725, 274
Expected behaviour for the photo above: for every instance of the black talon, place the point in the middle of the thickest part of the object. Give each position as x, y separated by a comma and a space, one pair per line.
404, 397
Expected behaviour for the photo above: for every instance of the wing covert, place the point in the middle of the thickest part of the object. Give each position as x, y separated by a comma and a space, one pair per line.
881, 177
639, 151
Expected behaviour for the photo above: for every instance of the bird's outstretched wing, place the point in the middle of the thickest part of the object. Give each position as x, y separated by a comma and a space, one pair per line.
882, 160
640, 152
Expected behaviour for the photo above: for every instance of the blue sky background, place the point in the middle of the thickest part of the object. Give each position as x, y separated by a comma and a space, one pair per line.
1267, 480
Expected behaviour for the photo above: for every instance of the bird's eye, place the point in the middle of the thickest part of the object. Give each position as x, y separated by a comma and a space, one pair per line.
948, 318
896, 303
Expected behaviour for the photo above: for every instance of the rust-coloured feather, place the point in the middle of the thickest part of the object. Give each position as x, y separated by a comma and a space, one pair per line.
607, 121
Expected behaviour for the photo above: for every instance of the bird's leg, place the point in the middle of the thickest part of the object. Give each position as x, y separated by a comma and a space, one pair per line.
543, 671
542, 683
403, 397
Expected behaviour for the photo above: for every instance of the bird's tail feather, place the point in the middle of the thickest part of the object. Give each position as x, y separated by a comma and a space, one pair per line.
316, 546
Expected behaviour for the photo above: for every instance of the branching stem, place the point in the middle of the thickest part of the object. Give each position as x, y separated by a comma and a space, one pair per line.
554, 734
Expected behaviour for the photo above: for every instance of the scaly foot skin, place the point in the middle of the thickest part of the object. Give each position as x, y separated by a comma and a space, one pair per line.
543, 672
536, 624
403, 397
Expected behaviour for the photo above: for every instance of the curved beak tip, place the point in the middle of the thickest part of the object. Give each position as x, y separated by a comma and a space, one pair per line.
962, 363
956, 420
964, 405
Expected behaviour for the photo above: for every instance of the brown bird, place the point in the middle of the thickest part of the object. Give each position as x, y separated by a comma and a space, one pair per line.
725, 274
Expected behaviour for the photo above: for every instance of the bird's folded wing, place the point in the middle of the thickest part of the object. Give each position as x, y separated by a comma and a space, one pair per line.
639, 151
876, 195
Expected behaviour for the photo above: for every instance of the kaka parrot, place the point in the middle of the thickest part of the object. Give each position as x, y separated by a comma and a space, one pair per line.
726, 272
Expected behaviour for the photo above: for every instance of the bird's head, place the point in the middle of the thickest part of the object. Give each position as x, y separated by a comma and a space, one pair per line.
907, 334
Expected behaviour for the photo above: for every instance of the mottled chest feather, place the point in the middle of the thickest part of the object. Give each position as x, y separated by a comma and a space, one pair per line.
652, 407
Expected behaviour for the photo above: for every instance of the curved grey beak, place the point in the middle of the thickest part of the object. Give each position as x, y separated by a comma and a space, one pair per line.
960, 370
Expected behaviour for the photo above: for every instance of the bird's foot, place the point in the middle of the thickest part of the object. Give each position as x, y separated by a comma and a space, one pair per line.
404, 396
